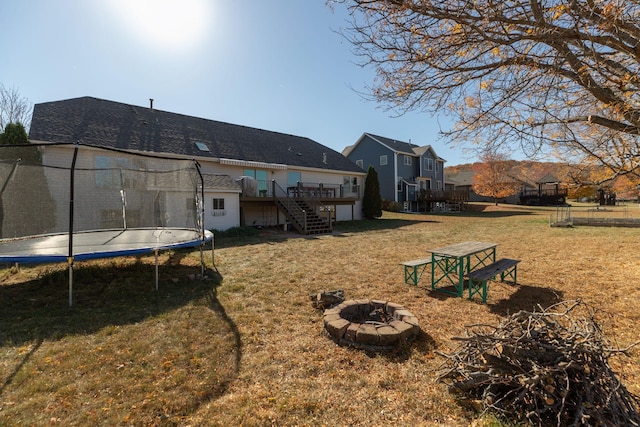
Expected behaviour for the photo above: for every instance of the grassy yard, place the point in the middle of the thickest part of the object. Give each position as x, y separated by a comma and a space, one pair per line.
246, 347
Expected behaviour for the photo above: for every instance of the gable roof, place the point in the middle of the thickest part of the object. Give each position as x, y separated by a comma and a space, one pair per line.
112, 124
396, 146
548, 179
222, 183
421, 150
462, 178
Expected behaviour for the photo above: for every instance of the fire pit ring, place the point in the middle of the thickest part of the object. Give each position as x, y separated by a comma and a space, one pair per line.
370, 324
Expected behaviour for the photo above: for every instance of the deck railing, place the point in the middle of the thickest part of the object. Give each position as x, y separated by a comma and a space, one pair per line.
563, 192
443, 195
303, 189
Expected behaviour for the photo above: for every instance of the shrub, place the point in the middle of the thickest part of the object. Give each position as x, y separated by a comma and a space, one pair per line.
236, 232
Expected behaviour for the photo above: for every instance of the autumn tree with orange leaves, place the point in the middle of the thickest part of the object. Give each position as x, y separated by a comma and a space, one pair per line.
553, 76
492, 178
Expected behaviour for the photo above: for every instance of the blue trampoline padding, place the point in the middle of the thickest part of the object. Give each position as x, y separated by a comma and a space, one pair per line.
99, 244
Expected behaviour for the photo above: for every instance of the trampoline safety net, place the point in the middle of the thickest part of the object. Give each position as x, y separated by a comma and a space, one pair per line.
61, 200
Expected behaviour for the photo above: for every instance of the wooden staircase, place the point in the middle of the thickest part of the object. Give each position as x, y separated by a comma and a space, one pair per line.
304, 219
302, 211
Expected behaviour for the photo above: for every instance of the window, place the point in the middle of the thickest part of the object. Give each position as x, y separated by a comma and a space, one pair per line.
383, 160
218, 204
360, 163
108, 172
261, 179
407, 160
218, 208
438, 185
428, 164
293, 178
437, 166
350, 184
202, 146
400, 183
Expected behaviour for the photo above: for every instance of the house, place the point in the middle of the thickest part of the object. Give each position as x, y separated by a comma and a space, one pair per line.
408, 174
463, 181
251, 176
545, 191
548, 192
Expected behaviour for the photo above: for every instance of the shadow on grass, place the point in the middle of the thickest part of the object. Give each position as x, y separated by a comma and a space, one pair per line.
243, 237
527, 298
422, 344
104, 294
491, 214
218, 308
365, 225
524, 298
37, 311
443, 293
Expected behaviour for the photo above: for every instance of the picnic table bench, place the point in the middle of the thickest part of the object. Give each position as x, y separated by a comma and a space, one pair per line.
414, 268
504, 267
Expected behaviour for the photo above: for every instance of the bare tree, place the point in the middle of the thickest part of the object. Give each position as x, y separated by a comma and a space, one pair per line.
561, 76
13, 108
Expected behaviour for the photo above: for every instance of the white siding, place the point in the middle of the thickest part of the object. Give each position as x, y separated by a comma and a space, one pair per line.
229, 218
265, 216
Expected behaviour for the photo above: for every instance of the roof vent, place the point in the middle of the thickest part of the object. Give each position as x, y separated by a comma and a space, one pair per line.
151, 103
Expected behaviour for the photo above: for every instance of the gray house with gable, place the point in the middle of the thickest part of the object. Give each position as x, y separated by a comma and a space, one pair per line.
407, 173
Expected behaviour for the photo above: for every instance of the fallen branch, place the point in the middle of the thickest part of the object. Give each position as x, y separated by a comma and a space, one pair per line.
548, 367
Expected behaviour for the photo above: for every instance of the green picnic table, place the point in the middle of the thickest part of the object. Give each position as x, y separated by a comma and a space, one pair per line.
450, 264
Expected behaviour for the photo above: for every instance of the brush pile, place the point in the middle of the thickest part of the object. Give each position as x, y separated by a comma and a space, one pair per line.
546, 367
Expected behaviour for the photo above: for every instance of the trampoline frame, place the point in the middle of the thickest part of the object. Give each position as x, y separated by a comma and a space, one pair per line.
106, 243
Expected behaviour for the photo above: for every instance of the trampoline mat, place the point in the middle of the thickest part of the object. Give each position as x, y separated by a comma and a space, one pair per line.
98, 244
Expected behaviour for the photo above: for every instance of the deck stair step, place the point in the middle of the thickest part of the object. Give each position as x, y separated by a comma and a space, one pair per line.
314, 223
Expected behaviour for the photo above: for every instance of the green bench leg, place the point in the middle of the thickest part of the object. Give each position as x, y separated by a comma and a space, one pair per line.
413, 274
479, 287
512, 273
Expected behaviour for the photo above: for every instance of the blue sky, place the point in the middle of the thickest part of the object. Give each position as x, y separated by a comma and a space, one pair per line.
278, 65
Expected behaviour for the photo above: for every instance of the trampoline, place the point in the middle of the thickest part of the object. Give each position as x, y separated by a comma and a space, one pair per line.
74, 202
98, 244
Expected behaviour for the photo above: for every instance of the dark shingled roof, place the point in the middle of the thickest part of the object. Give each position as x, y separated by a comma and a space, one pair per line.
221, 182
399, 146
116, 125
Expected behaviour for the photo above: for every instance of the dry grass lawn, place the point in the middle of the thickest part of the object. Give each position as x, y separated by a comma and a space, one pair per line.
249, 349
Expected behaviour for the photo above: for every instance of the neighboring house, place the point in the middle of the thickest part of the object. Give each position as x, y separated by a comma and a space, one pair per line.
548, 192
545, 191
463, 181
251, 176
404, 169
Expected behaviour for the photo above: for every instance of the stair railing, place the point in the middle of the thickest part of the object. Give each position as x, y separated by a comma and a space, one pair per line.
315, 204
296, 214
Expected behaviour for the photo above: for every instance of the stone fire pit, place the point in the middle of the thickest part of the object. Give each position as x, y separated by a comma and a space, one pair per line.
370, 324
